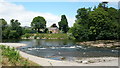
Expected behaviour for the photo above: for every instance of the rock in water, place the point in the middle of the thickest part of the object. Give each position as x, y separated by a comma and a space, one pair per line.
62, 58
85, 62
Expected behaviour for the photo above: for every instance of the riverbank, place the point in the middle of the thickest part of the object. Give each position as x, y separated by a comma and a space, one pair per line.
102, 43
11, 57
45, 36
101, 61
16, 45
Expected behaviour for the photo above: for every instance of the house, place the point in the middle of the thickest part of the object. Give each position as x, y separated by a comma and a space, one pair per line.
53, 29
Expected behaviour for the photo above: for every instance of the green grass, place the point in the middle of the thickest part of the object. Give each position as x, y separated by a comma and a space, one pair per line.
47, 36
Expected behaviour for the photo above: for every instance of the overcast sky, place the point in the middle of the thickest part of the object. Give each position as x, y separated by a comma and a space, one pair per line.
51, 10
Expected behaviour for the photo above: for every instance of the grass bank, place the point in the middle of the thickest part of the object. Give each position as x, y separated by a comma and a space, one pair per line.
45, 36
11, 57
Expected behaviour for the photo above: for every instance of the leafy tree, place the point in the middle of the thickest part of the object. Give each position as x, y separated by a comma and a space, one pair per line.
15, 25
63, 24
82, 16
82, 13
5, 33
54, 25
80, 29
101, 23
46, 30
94, 7
118, 28
26, 29
38, 23
3, 24
12, 31
103, 5
13, 34
79, 32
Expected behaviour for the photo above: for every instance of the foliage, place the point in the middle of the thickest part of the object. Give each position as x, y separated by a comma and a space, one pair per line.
12, 31
54, 25
38, 23
26, 35
11, 53
98, 24
3, 23
47, 36
14, 57
46, 30
27, 30
63, 24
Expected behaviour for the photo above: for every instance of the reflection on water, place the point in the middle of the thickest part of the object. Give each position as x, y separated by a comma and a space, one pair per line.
55, 49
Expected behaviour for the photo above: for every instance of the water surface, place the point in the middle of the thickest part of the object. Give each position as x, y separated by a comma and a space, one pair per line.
55, 49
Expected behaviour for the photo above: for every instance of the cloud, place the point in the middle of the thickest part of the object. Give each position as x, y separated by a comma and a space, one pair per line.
12, 11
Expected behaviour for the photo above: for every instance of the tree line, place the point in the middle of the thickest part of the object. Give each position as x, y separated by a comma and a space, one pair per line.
38, 25
13, 30
99, 23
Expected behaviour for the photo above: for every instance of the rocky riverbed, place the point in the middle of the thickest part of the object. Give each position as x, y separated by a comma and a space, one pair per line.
102, 43
90, 60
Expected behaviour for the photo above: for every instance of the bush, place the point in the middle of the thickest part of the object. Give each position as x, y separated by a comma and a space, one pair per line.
11, 53
26, 35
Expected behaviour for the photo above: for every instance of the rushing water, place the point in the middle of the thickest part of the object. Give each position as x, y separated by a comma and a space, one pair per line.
55, 49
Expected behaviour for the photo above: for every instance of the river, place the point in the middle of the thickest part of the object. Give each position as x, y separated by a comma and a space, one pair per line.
67, 49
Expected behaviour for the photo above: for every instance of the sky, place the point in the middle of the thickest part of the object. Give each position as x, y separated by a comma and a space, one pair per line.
51, 11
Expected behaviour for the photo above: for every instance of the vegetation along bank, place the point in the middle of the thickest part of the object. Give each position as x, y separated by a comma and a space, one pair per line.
11, 57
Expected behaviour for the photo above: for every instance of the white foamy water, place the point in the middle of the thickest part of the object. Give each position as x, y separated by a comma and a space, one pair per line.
71, 47
42, 48
35, 48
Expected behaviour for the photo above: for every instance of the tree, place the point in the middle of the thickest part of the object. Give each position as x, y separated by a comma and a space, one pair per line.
27, 30
94, 7
99, 24
54, 25
46, 30
5, 33
15, 25
3, 23
118, 28
38, 23
12, 31
103, 5
82, 16
63, 24
80, 29
79, 32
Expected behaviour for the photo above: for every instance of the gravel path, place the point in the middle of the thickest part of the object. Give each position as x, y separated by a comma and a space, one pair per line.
49, 62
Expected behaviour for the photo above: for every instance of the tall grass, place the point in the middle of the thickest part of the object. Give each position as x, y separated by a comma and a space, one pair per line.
11, 53
13, 56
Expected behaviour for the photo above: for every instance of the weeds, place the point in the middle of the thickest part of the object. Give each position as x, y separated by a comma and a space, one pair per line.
12, 57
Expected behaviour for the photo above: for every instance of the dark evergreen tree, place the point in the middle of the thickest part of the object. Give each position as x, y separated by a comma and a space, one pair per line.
63, 24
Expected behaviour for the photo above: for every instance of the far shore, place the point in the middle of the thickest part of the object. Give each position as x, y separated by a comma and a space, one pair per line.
106, 61
102, 43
